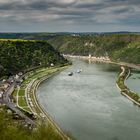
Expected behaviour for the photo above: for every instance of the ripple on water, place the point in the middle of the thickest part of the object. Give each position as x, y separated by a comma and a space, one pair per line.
88, 105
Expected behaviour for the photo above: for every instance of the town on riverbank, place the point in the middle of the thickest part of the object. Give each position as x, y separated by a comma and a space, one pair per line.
103, 59
18, 93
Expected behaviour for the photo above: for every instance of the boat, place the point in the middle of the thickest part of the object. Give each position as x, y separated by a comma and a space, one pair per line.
78, 71
70, 73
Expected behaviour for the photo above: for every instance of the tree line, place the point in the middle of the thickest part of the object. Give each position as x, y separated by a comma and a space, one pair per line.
20, 55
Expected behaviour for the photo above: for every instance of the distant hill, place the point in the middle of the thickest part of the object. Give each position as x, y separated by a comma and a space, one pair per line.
119, 46
20, 55
45, 36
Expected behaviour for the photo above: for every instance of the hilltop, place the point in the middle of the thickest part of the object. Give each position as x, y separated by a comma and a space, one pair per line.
119, 46
21, 55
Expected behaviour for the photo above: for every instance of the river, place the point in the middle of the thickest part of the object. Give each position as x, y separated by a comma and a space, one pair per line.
88, 105
134, 82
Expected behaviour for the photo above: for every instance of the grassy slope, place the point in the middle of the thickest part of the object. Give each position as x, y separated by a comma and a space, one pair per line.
11, 130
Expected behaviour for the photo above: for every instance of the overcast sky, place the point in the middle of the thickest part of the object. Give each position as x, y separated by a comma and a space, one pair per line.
69, 15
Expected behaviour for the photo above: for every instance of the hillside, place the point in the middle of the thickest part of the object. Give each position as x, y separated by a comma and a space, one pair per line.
130, 54
117, 47
20, 55
11, 129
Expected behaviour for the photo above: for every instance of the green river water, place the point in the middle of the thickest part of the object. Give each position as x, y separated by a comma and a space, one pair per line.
88, 105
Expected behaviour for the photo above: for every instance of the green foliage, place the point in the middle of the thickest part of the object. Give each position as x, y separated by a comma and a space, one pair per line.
21, 92
20, 55
125, 89
11, 130
46, 133
130, 54
116, 46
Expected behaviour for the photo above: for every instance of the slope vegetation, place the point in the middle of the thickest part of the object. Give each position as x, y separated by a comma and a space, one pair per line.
21, 55
118, 47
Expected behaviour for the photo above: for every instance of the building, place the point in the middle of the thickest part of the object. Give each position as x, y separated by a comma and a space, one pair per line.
52, 64
89, 56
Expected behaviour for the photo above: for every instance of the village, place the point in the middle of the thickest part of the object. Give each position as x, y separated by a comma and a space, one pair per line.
5, 85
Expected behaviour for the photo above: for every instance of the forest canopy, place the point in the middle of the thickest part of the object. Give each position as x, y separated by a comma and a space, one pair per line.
20, 55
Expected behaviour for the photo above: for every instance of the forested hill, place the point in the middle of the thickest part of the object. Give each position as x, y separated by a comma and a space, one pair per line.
119, 47
19, 55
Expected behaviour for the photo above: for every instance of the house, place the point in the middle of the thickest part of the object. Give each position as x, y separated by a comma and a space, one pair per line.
1, 93
6, 85
20, 73
17, 76
89, 56
52, 64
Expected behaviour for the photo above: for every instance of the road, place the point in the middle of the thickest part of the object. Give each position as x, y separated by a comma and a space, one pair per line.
12, 106
131, 65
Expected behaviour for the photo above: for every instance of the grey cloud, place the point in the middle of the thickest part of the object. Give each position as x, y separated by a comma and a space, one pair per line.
72, 12
33, 5
124, 2
123, 10
23, 6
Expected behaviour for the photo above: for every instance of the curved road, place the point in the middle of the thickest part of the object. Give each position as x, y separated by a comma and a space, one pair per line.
12, 106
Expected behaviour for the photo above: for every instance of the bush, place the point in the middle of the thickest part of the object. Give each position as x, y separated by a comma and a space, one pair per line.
12, 130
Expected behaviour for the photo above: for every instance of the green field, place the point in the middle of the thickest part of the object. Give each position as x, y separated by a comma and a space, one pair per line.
15, 93
21, 92
36, 74
22, 101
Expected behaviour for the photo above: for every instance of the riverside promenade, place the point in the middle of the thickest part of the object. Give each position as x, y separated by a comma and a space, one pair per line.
45, 114
38, 109
126, 91
102, 59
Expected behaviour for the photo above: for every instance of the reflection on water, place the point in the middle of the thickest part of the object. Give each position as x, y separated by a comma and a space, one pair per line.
88, 105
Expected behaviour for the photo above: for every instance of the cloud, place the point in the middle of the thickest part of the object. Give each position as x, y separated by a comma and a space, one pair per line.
74, 13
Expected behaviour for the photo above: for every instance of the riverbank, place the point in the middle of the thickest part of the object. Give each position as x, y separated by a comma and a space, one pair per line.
41, 114
21, 94
83, 103
104, 60
131, 95
26, 101
45, 115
